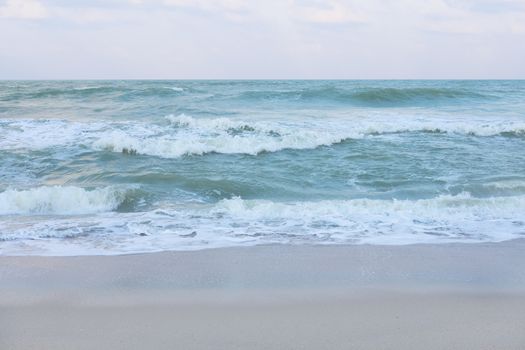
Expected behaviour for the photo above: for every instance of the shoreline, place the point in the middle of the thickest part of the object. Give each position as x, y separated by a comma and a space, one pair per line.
446, 296
489, 265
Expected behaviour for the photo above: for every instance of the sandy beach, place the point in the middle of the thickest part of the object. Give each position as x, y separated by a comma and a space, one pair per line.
451, 296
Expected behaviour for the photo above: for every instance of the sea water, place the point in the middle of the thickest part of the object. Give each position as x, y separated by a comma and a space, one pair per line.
112, 167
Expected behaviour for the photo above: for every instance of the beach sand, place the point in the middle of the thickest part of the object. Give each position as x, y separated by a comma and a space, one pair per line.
449, 296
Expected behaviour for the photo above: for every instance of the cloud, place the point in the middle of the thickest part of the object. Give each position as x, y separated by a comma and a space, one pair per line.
327, 12
489, 6
232, 5
23, 9
87, 15
262, 39
233, 10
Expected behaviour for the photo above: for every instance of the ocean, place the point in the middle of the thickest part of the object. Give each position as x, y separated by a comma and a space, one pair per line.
115, 167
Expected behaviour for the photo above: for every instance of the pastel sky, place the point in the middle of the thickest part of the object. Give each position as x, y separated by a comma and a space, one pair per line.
264, 39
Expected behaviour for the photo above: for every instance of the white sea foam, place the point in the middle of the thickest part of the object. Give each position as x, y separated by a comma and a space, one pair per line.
83, 88
187, 135
392, 221
224, 135
37, 134
507, 185
221, 135
238, 222
62, 200
445, 206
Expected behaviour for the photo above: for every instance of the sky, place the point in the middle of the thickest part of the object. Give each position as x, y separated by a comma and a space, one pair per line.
264, 39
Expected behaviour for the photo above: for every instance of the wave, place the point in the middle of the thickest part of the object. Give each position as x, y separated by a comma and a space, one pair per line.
74, 91
454, 217
88, 88
445, 205
175, 88
514, 185
151, 91
37, 134
405, 95
62, 200
198, 136
371, 97
181, 135
239, 222
84, 91
221, 135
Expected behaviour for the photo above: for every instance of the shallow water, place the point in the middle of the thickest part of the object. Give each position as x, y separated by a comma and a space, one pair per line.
111, 167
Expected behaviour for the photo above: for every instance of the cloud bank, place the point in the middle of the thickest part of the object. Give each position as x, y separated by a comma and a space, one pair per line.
180, 39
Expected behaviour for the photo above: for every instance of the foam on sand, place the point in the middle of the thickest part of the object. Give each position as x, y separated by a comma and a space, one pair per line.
239, 222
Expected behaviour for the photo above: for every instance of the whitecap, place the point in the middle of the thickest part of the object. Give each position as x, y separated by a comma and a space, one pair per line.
61, 200
186, 135
240, 222
175, 88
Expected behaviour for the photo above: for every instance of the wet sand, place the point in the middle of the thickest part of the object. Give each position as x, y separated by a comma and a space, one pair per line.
451, 296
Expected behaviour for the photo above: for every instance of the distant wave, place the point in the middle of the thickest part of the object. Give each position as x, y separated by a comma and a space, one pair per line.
367, 97
513, 185
393, 95
85, 91
151, 91
72, 91
351, 94
175, 88
62, 200
86, 88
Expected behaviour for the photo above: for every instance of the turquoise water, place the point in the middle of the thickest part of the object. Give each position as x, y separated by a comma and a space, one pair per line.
111, 167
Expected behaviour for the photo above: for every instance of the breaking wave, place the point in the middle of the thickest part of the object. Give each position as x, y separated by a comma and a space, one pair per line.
180, 135
239, 222
196, 136
62, 200
221, 135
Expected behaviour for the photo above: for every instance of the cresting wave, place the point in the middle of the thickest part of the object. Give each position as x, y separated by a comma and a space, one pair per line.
444, 206
238, 222
185, 135
216, 136
61, 200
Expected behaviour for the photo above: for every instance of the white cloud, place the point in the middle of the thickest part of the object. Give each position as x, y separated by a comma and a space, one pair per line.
217, 6
83, 15
232, 5
234, 10
332, 11
263, 39
23, 9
